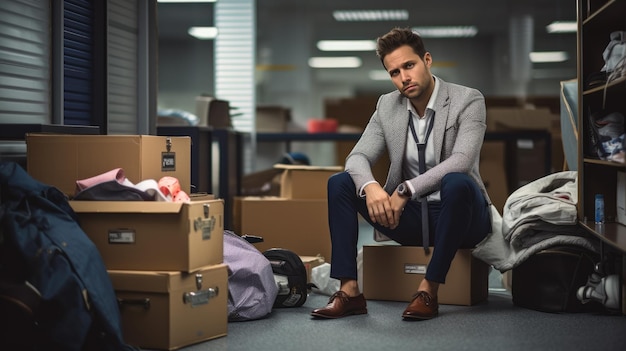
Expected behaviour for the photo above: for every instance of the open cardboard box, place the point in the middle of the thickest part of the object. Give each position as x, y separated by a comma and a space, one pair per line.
61, 160
305, 182
155, 236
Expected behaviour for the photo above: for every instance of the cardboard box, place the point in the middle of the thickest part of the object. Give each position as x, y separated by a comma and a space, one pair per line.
305, 182
61, 160
514, 118
272, 119
311, 262
392, 272
300, 225
493, 172
169, 310
621, 197
155, 236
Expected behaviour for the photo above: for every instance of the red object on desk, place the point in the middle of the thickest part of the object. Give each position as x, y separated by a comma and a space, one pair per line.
328, 125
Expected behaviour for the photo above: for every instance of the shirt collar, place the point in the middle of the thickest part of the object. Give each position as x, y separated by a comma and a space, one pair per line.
431, 101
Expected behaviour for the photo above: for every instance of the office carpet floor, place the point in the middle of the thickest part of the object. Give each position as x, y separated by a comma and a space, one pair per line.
496, 324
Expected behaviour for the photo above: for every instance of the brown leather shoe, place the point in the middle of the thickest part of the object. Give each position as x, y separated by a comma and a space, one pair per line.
423, 306
341, 305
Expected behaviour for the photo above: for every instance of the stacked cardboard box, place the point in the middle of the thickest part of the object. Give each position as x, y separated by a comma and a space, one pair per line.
297, 220
165, 259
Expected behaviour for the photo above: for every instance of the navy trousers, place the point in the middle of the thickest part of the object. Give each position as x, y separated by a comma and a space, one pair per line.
461, 220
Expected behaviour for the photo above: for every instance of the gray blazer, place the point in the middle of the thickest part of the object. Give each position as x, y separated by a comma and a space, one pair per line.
458, 134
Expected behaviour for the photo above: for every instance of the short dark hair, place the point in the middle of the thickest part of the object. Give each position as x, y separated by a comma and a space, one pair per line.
396, 38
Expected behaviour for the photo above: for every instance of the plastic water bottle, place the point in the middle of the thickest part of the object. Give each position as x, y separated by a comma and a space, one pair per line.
599, 208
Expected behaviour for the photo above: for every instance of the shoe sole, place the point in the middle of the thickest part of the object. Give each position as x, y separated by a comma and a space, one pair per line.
418, 318
351, 313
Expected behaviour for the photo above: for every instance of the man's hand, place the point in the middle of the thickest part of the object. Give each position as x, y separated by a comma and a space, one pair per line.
382, 208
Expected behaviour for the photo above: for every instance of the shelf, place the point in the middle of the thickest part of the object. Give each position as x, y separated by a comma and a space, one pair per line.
18, 131
276, 137
604, 163
606, 12
613, 234
602, 87
597, 20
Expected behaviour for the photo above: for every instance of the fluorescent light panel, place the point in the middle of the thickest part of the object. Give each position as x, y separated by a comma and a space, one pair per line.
346, 45
446, 31
335, 62
203, 33
184, 1
370, 15
562, 27
379, 74
548, 56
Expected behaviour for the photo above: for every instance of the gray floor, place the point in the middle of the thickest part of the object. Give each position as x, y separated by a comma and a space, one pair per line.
496, 324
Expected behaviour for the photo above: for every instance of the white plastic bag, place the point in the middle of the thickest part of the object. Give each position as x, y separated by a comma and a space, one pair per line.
324, 284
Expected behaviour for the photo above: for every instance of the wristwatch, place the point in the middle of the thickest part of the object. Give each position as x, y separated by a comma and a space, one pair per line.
404, 190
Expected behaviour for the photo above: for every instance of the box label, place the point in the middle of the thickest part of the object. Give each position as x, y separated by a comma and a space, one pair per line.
205, 225
168, 161
121, 236
411, 268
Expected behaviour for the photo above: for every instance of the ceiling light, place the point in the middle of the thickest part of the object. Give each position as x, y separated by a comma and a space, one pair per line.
446, 31
371, 15
203, 33
335, 62
548, 56
562, 27
183, 1
379, 74
346, 45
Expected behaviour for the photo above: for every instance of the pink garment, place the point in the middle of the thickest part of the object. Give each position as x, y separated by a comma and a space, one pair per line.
169, 186
114, 174
181, 196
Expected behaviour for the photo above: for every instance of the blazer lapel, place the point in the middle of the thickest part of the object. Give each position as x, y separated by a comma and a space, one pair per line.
442, 106
400, 129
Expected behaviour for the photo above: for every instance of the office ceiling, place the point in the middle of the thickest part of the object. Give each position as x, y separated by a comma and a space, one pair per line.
491, 17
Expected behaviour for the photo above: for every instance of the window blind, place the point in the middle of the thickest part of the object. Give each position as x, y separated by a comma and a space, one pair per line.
122, 66
24, 62
78, 62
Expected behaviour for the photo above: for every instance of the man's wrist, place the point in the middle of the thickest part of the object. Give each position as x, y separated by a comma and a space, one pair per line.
404, 190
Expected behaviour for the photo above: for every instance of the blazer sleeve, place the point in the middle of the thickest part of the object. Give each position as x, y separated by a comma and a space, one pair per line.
367, 151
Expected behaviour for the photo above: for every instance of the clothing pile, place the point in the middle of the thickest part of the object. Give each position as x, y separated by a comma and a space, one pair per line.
537, 216
114, 186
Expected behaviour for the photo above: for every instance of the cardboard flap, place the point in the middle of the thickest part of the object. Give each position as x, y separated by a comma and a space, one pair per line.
126, 206
148, 281
160, 281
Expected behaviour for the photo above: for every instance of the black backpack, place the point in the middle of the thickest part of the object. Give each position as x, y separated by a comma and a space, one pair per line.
290, 276
548, 280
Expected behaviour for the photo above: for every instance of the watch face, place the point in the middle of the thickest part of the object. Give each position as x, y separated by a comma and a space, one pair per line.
402, 189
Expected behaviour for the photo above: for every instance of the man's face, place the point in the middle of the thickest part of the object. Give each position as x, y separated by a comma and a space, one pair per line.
409, 73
